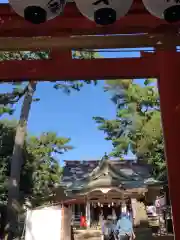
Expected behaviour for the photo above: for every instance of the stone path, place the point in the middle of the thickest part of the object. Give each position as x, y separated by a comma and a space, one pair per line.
141, 234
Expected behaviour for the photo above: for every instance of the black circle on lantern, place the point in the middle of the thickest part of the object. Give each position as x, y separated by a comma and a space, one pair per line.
105, 16
35, 14
172, 14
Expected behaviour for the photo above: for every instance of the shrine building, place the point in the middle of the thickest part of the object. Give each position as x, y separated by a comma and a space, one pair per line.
108, 187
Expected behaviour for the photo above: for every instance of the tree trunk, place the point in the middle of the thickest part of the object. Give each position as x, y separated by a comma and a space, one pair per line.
13, 206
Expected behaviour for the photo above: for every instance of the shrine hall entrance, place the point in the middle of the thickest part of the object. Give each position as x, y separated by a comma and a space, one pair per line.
97, 213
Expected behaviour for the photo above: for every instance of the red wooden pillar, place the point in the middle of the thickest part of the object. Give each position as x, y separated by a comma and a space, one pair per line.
169, 88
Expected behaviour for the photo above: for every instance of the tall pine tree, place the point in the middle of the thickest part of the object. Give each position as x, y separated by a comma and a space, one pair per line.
137, 126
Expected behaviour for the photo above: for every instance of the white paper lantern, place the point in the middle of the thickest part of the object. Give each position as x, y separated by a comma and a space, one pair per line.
164, 9
38, 11
104, 12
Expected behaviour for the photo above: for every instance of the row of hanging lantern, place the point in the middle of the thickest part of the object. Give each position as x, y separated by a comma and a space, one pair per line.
102, 12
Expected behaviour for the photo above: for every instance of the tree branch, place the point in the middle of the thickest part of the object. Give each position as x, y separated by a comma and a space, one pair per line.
13, 97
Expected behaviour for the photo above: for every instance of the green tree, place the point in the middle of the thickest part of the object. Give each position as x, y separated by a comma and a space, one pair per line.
40, 170
40, 173
137, 126
42, 167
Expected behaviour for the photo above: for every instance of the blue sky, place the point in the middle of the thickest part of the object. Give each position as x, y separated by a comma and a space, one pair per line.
71, 115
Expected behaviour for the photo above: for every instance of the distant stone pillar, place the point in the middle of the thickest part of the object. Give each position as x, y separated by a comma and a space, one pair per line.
88, 214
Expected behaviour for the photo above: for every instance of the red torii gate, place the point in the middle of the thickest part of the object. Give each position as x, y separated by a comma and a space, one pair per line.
164, 64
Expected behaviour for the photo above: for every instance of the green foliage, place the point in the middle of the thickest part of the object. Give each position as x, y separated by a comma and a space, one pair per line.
41, 171
68, 86
138, 122
85, 54
23, 55
7, 135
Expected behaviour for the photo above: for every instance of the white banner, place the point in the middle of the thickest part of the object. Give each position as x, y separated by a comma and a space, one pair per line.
43, 224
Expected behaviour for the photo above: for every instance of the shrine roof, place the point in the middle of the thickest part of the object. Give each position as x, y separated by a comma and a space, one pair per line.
83, 175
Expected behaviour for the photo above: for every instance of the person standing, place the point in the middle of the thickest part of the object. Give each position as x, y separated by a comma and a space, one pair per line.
102, 224
124, 227
101, 220
114, 217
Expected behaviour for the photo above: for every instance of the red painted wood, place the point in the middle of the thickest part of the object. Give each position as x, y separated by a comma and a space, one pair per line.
71, 69
138, 20
169, 87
